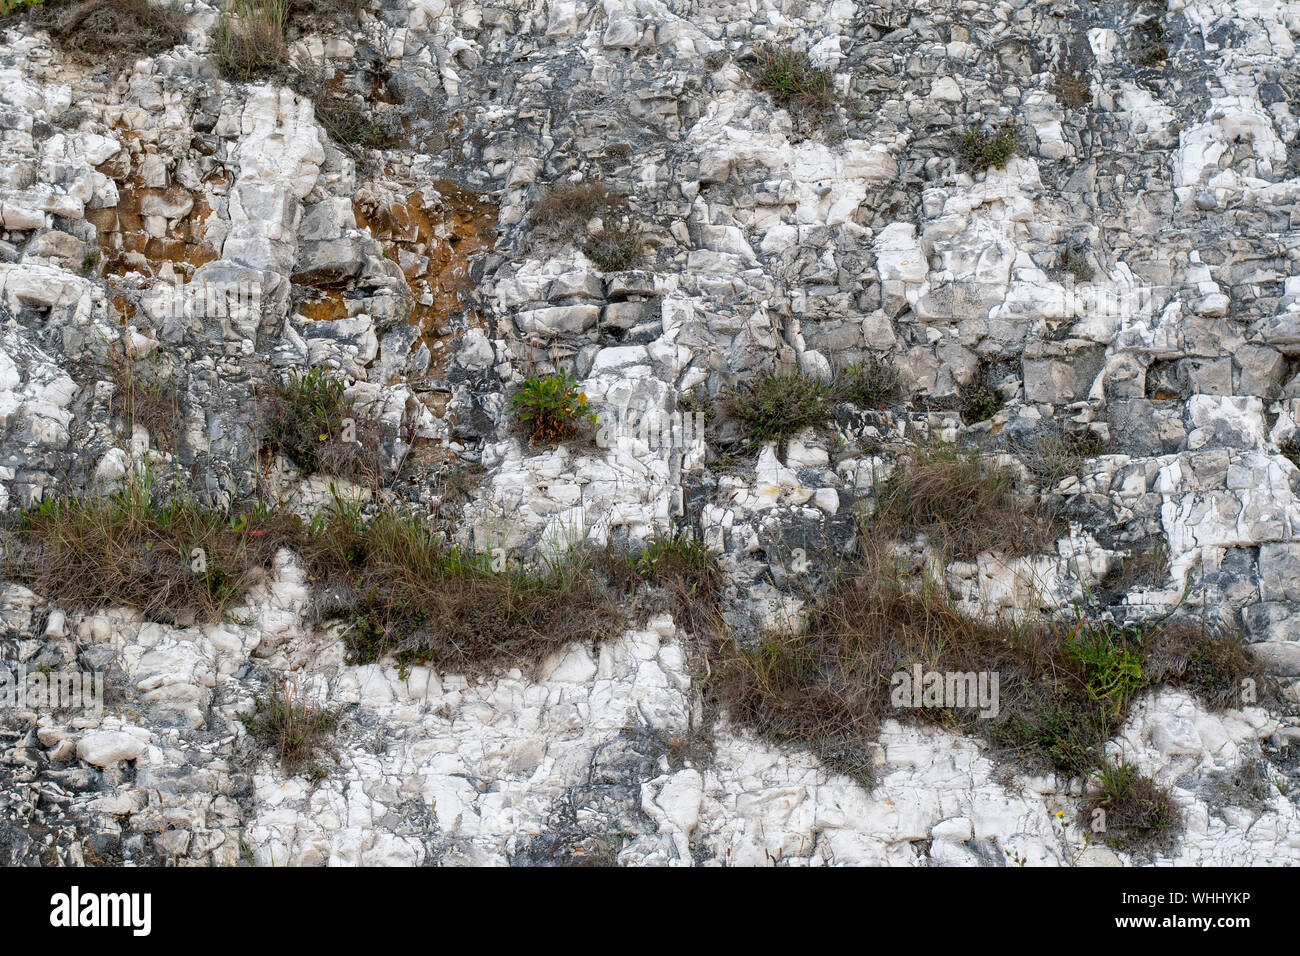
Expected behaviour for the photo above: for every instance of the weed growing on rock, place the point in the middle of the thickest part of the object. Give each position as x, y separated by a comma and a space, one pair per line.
1064, 687
1139, 814
1056, 455
1149, 43
141, 398
401, 592
313, 423
1146, 567
777, 406
296, 730
1075, 263
249, 39
1290, 450
790, 77
870, 384
673, 572
980, 401
568, 212
552, 407
1073, 87
962, 504
980, 149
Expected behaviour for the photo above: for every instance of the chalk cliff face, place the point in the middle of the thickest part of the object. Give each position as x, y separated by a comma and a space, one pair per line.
1131, 273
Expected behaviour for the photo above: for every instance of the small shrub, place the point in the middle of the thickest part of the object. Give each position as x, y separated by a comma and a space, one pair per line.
112, 31
869, 384
1139, 814
963, 505
777, 406
172, 558
1290, 450
790, 77
249, 41
552, 407
312, 423
981, 150
295, 730
401, 593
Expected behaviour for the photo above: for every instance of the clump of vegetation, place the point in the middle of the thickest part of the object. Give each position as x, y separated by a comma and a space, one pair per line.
980, 401
249, 42
870, 384
1073, 87
1074, 262
296, 730
312, 422
353, 126
1064, 687
401, 592
1290, 450
171, 557
113, 31
980, 149
1145, 567
567, 213
790, 77
676, 564
779, 405
1056, 455
348, 120
962, 504
1138, 812
552, 406
1149, 43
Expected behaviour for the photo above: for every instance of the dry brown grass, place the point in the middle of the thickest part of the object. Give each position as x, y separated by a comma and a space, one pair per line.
961, 503
1064, 687
138, 549
672, 573
402, 593
142, 399
110, 31
564, 212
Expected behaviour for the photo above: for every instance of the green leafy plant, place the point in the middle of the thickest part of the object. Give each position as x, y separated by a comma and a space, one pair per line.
980, 149
552, 406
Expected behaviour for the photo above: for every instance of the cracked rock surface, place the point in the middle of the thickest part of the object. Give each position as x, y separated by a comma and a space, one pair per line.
770, 237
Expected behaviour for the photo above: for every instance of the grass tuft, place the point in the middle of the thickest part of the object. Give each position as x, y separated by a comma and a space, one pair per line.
961, 503
297, 731
779, 405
